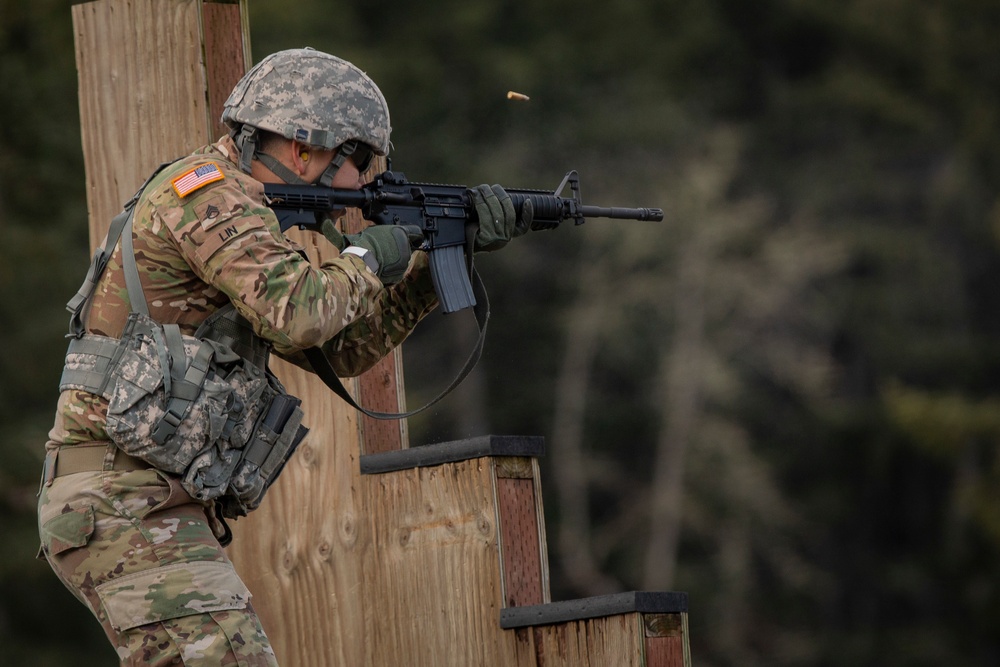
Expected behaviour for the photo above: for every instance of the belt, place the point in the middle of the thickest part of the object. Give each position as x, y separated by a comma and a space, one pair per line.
70, 459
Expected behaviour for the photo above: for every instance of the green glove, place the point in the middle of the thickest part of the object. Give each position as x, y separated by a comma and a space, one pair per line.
389, 245
498, 221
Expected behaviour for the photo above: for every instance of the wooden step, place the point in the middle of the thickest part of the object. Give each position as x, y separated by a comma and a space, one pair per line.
513, 463
451, 452
647, 629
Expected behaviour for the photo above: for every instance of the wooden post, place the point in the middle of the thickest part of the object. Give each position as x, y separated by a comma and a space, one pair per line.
153, 76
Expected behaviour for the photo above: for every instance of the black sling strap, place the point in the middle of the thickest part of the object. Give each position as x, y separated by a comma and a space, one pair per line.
322, 368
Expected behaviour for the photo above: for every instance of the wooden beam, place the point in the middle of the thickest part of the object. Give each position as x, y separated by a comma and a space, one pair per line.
226, 31
381, 388
146, 95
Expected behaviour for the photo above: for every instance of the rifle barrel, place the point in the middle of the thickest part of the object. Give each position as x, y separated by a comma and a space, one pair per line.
655, 214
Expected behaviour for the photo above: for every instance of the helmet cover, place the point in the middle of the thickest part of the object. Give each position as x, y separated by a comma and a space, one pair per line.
313, 97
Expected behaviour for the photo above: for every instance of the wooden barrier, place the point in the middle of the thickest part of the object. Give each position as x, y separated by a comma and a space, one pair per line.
366, 551
637, 628
459, 570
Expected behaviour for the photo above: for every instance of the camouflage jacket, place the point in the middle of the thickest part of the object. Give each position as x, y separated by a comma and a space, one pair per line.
220, 243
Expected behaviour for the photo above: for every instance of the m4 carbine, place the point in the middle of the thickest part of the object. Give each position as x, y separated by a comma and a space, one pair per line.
444, 214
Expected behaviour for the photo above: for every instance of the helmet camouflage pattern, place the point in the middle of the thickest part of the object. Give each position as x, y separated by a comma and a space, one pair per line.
312, 97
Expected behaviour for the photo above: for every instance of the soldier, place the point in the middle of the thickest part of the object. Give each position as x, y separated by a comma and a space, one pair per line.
139, 540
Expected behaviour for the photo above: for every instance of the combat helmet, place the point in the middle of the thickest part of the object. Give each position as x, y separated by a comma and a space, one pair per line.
312, 97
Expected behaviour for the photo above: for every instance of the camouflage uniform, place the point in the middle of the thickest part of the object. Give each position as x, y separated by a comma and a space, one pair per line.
132, 545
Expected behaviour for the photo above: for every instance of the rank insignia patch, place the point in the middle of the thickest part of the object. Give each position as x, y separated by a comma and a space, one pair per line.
196, 178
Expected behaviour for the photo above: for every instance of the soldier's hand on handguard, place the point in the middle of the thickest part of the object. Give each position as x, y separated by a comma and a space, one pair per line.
390, 246
498, 221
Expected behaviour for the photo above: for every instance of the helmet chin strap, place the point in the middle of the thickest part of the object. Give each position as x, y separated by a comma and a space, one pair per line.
345, 151
280, 170
247, 139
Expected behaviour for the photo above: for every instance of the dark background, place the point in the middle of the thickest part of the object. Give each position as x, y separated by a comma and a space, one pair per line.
784, 399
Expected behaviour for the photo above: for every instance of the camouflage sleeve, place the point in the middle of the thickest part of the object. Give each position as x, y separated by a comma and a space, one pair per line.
398, 309
232, 241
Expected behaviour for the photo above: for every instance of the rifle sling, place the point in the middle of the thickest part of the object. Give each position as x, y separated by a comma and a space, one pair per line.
99, 262
322, 368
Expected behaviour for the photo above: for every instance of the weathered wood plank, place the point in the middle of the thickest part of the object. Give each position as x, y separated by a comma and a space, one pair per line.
433, 578
143, 96
611, 640
381, 390
227, 54
522, 567
666, 640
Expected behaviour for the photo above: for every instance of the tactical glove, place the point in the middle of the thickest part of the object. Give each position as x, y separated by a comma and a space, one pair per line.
498, 221
390, 246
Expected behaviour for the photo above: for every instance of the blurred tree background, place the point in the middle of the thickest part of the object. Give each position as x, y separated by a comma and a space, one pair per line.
784, 399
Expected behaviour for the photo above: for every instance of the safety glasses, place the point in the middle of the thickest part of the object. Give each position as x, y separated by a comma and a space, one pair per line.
362, 157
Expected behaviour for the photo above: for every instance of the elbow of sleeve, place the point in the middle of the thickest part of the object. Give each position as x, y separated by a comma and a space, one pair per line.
304, 339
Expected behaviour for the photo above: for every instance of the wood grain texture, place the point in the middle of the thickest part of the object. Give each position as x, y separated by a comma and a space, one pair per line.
600, 642
381, 390
666, 640
434, 576
227, 55
143, 96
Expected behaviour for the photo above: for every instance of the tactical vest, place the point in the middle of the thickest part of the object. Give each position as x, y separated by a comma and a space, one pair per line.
204, 407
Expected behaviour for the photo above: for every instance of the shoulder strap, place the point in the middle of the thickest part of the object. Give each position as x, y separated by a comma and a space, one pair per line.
99, 262
136, 297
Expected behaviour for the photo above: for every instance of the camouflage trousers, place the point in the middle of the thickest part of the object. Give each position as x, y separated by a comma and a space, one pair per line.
139, 552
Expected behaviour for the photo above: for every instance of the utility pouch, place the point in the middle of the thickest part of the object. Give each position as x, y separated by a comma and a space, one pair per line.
191, 407
195, 408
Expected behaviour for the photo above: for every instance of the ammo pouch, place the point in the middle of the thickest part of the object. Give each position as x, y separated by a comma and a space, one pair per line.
202, 407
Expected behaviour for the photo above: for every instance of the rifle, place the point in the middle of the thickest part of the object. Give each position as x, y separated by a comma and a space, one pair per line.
444, 214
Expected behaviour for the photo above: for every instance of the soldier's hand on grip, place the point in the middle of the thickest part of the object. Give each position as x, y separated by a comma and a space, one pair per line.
390, 246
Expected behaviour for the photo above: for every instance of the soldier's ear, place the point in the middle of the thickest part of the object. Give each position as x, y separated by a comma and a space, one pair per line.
300, 155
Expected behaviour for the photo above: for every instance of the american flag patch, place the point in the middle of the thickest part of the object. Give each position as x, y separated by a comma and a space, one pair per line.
198, 177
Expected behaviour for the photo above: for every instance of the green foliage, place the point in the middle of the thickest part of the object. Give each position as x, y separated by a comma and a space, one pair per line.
828, 171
